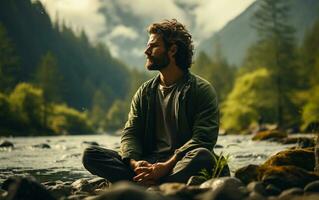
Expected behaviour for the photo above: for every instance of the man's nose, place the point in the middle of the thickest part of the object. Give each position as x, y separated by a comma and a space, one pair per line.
147, 51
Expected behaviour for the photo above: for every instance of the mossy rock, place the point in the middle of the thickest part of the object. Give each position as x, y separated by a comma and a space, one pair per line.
248, 173
274, 135
303, 158
285, 177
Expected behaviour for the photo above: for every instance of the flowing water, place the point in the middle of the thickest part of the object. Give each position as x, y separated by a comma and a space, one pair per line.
62, 161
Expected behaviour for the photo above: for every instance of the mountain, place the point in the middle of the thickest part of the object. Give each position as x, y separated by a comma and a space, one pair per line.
238, 35
85, 68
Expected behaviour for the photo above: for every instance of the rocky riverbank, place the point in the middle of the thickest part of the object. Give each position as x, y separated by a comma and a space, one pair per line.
289, 174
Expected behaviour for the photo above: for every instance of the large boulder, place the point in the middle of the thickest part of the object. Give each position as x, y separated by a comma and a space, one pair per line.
303, 158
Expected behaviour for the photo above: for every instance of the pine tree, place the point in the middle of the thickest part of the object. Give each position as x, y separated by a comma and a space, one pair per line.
277, 38
49, 79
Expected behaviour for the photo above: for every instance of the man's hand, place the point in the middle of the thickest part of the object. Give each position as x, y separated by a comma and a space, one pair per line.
141, 163
155, 171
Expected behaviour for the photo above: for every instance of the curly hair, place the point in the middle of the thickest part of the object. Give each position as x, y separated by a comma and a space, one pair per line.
173, 32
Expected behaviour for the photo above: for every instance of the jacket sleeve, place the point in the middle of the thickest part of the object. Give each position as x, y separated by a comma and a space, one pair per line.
130, 140
206, 121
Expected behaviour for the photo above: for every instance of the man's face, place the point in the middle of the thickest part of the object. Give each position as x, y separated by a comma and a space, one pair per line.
156, 53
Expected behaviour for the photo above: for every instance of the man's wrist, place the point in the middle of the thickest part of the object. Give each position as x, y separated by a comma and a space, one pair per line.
132, 163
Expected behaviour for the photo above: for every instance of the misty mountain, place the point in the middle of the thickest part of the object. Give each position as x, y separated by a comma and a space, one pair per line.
238, 35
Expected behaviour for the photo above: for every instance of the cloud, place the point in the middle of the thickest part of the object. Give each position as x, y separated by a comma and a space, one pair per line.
124, 32
80, 14
212, 15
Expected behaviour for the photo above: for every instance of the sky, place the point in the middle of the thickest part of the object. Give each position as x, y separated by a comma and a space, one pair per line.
210, 15
111, 26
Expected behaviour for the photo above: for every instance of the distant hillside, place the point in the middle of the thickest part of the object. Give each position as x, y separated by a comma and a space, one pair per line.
238, 35
85, 68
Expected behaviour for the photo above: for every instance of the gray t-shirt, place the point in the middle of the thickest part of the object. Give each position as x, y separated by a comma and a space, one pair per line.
166, 124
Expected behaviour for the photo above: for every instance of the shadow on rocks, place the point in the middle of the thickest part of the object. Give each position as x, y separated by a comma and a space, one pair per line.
25, 188
127, 190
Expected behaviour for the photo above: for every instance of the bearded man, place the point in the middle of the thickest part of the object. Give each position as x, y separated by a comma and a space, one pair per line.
173, 122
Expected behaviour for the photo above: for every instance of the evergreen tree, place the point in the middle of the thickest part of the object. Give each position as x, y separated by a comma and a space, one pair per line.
9, 62
277, 44
49, 79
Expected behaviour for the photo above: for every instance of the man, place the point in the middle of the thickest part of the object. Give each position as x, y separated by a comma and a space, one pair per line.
173, 122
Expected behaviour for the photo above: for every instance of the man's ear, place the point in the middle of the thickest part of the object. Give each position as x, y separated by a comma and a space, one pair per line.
173, 50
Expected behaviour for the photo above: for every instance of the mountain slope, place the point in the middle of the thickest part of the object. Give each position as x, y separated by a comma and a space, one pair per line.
238, 35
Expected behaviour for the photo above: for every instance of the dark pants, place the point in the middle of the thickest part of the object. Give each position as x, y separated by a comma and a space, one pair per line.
109, 165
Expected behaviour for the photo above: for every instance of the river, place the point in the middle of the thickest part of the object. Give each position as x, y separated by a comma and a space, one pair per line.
62, 161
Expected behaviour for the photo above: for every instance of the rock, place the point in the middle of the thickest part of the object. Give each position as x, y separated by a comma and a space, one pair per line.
218, 146
272, 190
303, 142
224, 188
289, 193
77, 196
248, 173
91, 143
196, 180
285, 177
25, 188
312, 187
274, 135
82, 185
99, 184
256, 186
303, 158
127, 190
180, 190
317, 155
6, 144
59, 189
42, 146
255, 196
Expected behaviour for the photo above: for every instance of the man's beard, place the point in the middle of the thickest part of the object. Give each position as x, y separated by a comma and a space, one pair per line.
157, 62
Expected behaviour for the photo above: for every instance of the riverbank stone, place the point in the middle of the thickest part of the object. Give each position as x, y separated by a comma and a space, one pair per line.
289, 193
302, 158
6, 144
92, 143
25, 188
312, 187
285, 177
256, 186
273, 135
247, 173
224, 188
42, 146
126, 190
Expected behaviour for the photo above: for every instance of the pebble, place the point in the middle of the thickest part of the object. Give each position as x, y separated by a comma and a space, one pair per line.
42, 146
6, 144
312, 187
256, 186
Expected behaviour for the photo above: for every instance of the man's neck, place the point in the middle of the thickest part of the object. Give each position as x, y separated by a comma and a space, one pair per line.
170, 75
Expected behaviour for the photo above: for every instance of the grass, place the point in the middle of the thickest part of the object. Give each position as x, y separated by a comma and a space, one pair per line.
220, 162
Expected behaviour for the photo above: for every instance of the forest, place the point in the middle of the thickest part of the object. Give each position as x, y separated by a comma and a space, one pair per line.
53, 80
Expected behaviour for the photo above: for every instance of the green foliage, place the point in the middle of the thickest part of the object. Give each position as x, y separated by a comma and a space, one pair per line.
220, 162
26, 104
217, 71
310, 112
9, 62
276, 52
66, 120
251, 97
116, 115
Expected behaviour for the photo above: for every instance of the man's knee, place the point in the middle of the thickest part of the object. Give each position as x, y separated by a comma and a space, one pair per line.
87, 155
201, 154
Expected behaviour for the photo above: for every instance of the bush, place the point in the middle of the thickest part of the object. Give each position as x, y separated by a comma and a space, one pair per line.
26, 104
310, 112
65, 120
251, 96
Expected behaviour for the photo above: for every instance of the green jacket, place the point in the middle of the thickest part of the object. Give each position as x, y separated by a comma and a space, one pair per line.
197, 119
